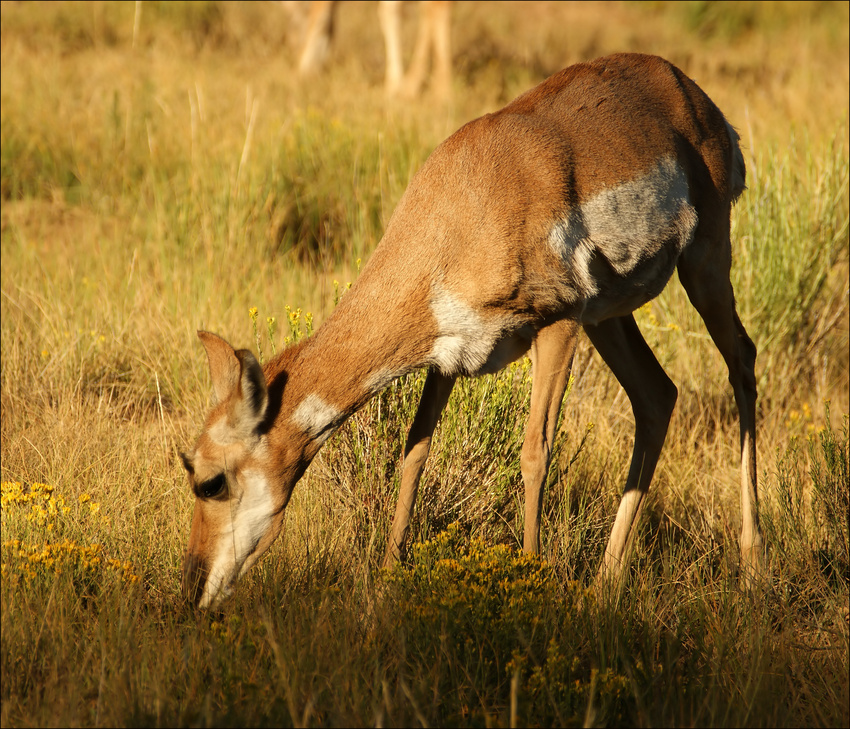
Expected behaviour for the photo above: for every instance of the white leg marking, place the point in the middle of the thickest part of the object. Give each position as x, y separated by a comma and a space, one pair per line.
627, 514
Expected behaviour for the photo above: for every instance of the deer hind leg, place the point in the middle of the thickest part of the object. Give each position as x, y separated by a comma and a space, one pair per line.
435, 395
704, 273
389, 15
551, 359
653, 396
441, 22
317, 44
433, 38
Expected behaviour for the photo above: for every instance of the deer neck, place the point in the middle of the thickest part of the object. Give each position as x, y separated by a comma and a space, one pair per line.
317, 384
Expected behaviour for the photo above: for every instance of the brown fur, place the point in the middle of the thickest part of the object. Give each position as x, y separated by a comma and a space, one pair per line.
492, 250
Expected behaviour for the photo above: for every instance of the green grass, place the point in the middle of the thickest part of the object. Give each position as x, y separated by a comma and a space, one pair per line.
150, 190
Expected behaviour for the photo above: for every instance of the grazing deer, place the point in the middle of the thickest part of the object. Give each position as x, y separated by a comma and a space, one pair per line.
568, 208
433, 38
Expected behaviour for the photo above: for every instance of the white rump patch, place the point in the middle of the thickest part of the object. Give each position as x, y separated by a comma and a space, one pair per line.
316, 418
621, 246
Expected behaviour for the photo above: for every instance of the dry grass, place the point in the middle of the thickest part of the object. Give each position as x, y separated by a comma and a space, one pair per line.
155, 188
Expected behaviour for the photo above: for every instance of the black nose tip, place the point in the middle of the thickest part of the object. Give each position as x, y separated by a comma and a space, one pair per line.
194, 578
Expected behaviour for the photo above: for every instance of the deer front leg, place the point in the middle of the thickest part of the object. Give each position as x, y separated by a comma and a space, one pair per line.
435, 395
551, 358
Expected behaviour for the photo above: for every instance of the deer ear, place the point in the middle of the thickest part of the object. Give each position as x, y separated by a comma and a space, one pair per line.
250, 405
237, 379
225, 368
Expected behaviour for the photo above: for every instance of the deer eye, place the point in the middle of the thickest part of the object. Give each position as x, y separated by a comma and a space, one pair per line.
212, 488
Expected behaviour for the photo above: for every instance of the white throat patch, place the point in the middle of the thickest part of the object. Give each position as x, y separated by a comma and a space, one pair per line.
463, 343
471, 344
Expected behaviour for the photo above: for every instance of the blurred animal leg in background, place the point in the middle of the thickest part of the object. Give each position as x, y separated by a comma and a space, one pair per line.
433, 39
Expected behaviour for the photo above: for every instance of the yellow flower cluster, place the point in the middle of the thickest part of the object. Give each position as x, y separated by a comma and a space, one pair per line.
337, 293
803, 419
124, 568
14, 492
646, 314
31, 561
293, 318
297, 331
569, 683
493, 604
491, 584
234, 628
44, 508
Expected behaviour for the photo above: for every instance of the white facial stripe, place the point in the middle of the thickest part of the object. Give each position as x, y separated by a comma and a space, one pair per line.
316, 418
213, 591
251, 518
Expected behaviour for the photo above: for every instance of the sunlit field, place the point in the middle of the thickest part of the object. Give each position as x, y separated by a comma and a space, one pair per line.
165, 170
